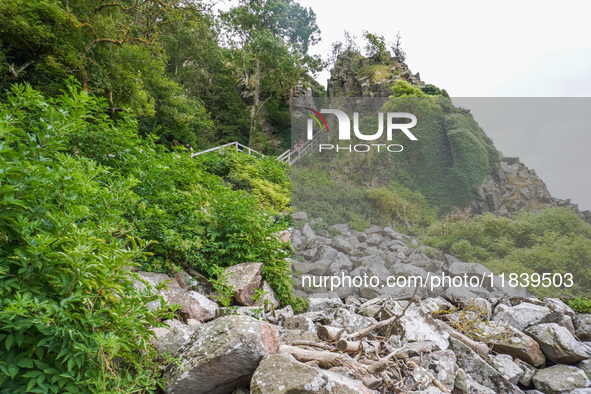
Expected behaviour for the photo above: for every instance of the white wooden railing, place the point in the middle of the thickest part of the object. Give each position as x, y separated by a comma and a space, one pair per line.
290, 156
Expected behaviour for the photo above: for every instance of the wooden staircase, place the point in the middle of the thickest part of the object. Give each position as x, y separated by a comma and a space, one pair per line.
290, 156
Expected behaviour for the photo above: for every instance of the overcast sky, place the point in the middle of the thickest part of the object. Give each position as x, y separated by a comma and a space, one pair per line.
501, 48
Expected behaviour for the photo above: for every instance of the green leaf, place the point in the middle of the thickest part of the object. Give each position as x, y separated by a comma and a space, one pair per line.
25, 363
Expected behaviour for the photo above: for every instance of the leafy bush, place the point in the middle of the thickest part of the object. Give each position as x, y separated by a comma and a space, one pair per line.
266, 178
187, 205
580, 305
359, 207
554, 240
407, 209
70, 319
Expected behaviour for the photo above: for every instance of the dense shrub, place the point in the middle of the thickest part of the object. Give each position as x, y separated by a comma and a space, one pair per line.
337, 202
70, 320
265, 178
554, 240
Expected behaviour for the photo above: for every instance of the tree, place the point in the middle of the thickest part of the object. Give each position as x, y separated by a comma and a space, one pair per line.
269, 41
376, 47
397, 48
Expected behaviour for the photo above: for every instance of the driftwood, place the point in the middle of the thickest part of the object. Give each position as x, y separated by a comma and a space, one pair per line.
480, 348
348, 346
327, 360
329, 334
372, 361
383, 323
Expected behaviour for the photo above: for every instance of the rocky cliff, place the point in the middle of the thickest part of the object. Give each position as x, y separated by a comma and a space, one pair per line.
510, 188
356, 76
513, 187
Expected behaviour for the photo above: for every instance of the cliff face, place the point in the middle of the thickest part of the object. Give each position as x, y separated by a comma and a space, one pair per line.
513, 187
356, 76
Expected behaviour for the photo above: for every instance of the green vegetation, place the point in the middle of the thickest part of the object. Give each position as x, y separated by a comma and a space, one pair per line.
451, 158
375, 72
376, 47
85, 196
71, 320
554, 240
360, 207
173, 64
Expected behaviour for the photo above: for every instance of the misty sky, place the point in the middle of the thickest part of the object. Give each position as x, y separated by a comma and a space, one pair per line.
497, 49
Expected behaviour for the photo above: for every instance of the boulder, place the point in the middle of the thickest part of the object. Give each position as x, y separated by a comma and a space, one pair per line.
352, 322
583, 326
459, 268
442, 365
170, 339
507, 340
585, 366
342, 228
524, 315
289, 336
507, 368
557, 343
269, 298
297, 240
193, 305
299, 216
281, 373
374, 230
325, 252
528, 372
558, 306
308, 233
480, 370
465, 384
322, 301
373, 239
244, 279
222, 355
414, 326
560, 379
284, 236
341, 244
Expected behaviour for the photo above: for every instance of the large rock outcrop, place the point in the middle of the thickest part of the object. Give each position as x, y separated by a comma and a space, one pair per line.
513, 187
356, 76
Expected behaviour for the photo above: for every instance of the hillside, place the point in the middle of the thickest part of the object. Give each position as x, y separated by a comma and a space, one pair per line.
132, 261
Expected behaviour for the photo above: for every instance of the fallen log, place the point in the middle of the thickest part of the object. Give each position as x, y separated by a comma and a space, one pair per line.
329, 334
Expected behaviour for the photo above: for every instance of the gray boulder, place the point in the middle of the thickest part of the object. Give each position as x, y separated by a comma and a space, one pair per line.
170, 339
244, 279
507, 368
524, 315
193, 305
507, 340
557, 343
414, 326
341, 244
300, 216
586, 367
283, 374
480, 370
325, 252
528, 372
465, 384
583, 326
560, 379
221, 355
